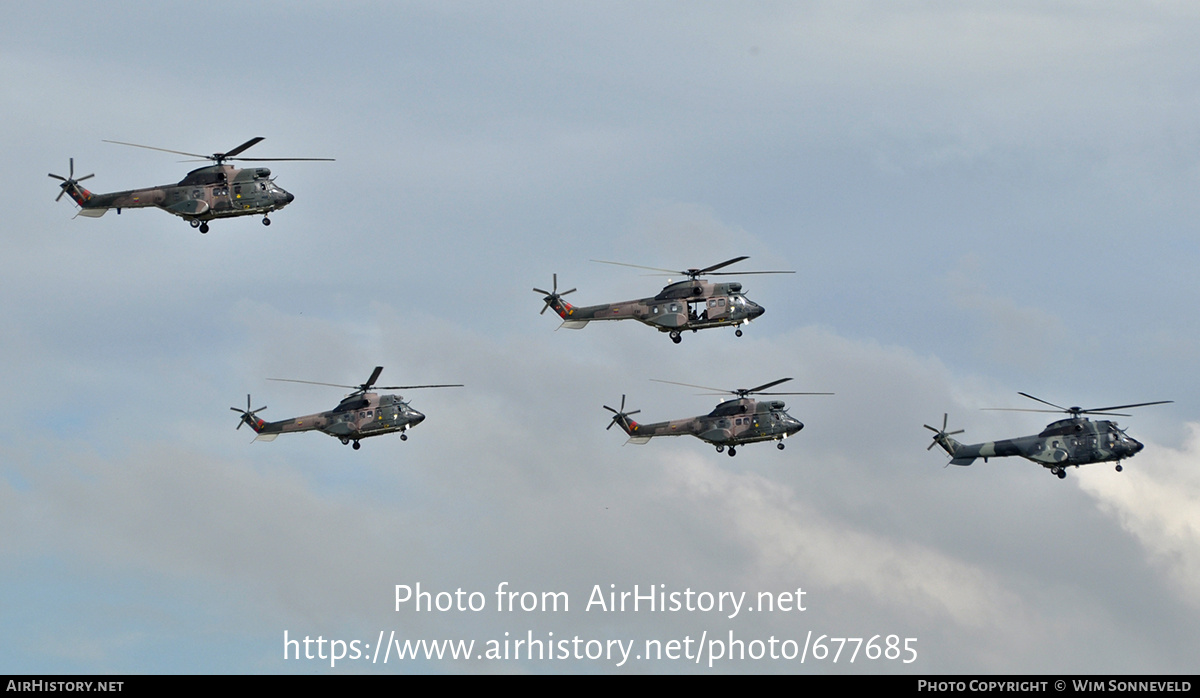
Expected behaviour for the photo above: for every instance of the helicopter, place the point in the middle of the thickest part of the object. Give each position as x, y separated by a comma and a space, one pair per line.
213, 191
692, 304
742, 420
1073, 441
359, 415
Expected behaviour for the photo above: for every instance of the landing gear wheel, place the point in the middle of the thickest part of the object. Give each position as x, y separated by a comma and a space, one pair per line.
738, 333
1119, 468
194, 223
357, 445
675, 337
345, 441
403, 436
720, 449
204, 227
779, 445
266, 221
732, 451
1062, 474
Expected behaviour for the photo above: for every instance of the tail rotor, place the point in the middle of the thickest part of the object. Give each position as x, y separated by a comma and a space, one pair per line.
621, 417
249, 416
70, 185
940, 436
552, 298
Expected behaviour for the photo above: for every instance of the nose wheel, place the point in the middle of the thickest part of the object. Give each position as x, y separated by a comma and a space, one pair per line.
738, 333
1119, 468
779, 445
403, 436
266, 221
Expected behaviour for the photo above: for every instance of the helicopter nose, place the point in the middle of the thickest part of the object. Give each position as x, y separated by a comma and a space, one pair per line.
289, 197
756, 311
1135, 446
417, 418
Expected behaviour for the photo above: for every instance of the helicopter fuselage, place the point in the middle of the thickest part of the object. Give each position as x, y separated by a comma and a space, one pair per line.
214, 191
731, 423
356, 417
684, 305
1068, 442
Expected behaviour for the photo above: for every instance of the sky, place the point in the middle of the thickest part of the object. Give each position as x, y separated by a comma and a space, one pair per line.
978, 199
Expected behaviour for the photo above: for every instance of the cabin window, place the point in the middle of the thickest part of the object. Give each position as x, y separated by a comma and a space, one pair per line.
721, 302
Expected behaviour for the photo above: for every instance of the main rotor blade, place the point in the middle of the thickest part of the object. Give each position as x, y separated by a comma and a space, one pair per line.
637, 266
332, 385
282, 159
164, 150
242, 147
414, 387
374, 377
766, 385
722, 264
743, 273
1099, 410
1044, 402
689, 385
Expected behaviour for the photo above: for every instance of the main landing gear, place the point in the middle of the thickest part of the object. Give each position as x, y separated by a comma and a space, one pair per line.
199, 224
1060, 472
732, 450
675, 336
356, 444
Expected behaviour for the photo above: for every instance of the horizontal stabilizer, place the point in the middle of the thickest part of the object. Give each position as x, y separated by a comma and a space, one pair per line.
573, 324
91, 212
963, 461
638, 440
266, 437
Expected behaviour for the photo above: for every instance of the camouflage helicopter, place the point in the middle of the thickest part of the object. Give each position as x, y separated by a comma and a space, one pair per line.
359, 415
1074, 441
742, 420
213, 191
692, 304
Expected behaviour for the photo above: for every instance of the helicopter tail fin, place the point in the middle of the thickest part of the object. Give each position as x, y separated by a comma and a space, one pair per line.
949, 444
554, 301
251, 418
71, 186
621, 419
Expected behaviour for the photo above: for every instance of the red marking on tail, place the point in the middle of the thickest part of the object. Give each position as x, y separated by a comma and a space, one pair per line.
80, 195
564, 309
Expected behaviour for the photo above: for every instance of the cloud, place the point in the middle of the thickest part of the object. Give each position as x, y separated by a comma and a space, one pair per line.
1157, 500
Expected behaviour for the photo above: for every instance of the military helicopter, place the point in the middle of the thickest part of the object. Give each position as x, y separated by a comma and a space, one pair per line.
732, 423
1075, 441
213, 191
692, 304
359, 415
